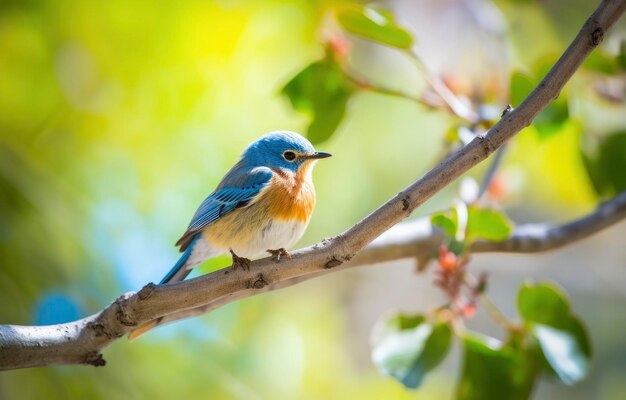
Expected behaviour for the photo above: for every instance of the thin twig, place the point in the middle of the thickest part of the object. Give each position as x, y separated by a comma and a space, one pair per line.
364, 84
495, 314
459, 108
491, 170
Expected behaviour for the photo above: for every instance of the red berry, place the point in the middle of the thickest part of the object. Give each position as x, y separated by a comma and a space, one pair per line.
447, 259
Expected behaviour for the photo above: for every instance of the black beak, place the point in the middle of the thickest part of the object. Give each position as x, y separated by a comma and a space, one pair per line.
317, 155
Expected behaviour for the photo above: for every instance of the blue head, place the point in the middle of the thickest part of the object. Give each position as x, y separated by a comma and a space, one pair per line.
281, 149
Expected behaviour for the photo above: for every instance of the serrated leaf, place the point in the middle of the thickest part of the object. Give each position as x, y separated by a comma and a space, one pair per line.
376, 25
563, 352
488, 224
493, 370
408, 347
321, 91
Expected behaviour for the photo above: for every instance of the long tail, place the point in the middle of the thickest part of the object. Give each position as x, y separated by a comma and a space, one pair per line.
176, 274
178, 271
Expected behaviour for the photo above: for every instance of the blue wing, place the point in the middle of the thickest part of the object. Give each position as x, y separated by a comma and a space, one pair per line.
237, 189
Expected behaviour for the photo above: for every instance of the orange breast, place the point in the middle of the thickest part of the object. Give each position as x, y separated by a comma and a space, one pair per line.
291, 196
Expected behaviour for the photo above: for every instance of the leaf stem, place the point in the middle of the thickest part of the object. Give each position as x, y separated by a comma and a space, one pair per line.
494, 312
455, 104
365, 84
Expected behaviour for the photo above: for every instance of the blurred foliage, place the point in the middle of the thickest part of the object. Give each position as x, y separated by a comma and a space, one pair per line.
563, 339
375, 24
607, 164
407, 347
548, 327
117, 118
549, 340
551, 119
320, 90
496, 370
465, 224
487, 224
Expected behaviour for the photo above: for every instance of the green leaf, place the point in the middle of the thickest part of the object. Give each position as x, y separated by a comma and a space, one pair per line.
578, 330
564, 342
563, 352
407, 347
404, 321
376, 25
606, 167
321, 91
436, 347
544, 304
520, 88
457, 247
492, 370
483, 223
446, 222
601, 63
550, 120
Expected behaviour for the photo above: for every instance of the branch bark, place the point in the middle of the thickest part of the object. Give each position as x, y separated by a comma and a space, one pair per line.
81, 341
419, 240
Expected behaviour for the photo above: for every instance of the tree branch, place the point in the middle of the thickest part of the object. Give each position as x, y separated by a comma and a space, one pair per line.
419, 240
81, 341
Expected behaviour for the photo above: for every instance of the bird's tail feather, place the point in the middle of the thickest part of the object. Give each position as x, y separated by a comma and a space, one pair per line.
178, 271
176, 274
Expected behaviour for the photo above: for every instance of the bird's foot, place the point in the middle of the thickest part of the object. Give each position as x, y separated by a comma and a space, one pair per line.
238, 262
278, 254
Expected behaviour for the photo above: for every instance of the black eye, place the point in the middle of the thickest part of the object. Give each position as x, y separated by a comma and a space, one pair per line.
289, 155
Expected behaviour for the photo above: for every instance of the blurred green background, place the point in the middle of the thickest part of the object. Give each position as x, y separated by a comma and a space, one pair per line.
117, 118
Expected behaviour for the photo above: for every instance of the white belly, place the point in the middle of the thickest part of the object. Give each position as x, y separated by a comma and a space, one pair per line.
273, 236
201, 252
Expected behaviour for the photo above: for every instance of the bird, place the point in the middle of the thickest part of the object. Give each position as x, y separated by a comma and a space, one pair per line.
262, 205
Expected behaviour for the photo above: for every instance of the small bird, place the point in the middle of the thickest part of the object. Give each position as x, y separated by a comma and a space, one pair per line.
262, 205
